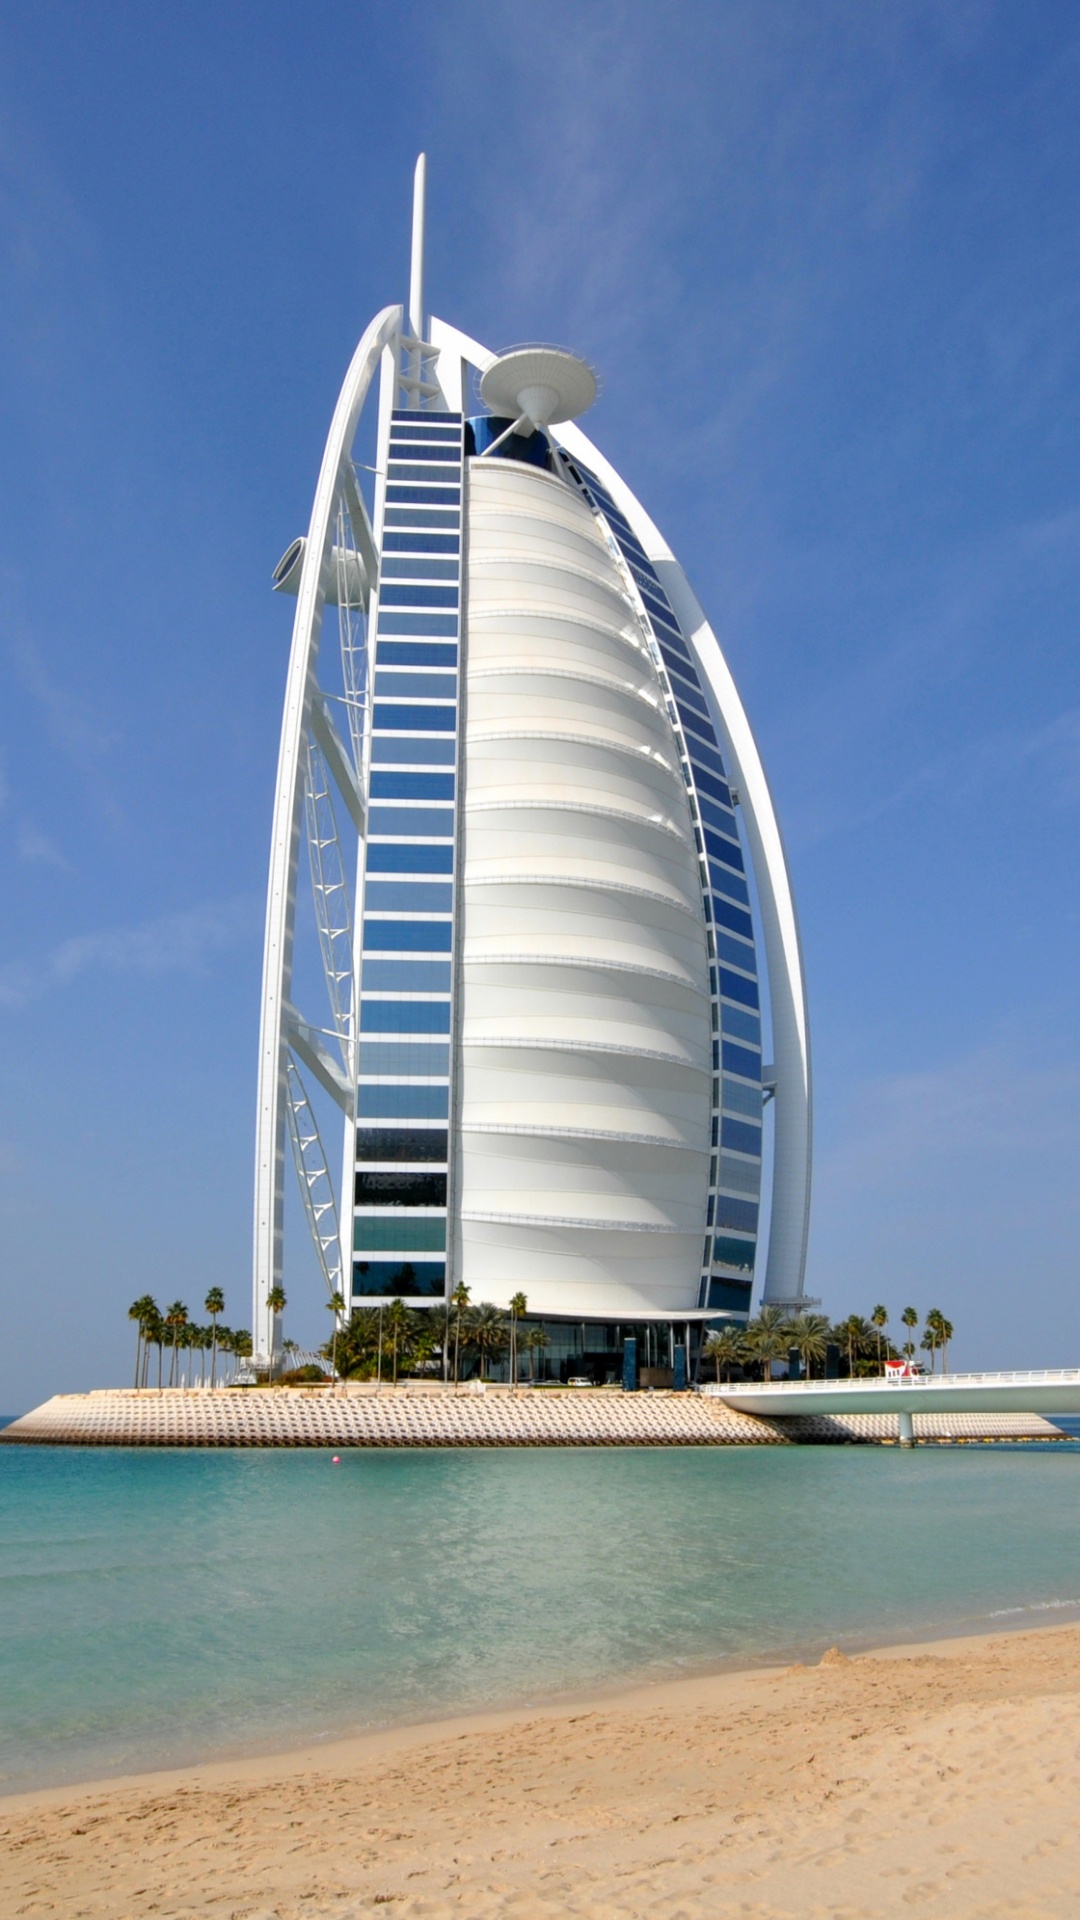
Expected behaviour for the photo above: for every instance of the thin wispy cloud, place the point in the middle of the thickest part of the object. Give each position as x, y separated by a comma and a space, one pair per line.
38, 850
184, 942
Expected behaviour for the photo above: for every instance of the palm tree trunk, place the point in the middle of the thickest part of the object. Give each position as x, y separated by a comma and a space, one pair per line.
138, 1353
213, 1355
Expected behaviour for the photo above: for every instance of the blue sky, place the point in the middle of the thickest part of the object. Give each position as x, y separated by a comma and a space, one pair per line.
826, 261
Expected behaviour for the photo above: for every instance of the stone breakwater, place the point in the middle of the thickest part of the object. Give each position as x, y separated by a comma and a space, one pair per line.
444, 1417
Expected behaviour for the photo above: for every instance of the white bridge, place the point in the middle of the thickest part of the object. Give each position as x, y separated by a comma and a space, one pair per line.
1045, 1391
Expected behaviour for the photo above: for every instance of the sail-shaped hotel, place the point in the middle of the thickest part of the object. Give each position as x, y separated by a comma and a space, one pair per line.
564, 985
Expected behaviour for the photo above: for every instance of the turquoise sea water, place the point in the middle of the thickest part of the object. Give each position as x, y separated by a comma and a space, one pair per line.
158, 1607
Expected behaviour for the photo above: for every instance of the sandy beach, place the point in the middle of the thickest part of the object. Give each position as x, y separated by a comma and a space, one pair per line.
939, 1779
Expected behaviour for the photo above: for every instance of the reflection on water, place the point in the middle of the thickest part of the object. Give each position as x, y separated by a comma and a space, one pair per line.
159, 1606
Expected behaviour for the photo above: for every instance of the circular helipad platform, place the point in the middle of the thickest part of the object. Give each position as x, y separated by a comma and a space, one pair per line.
547, 384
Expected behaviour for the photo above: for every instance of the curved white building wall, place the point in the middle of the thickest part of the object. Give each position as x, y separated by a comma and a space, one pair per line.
582, 1098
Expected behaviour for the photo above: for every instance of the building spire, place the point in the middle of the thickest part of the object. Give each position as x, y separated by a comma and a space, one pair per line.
416, 276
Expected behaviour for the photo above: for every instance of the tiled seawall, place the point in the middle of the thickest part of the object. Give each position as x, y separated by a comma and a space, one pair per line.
285, 1417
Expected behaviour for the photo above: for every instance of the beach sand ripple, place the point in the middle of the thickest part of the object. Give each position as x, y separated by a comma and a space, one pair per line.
932, 1781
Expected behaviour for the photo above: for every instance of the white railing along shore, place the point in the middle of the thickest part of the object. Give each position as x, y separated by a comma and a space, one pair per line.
1029, 1377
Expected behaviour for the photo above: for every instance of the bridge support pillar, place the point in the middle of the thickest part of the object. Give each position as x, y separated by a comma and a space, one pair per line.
907, 1429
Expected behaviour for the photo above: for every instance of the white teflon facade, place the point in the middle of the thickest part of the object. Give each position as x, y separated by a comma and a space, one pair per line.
582, 1136
588, 1129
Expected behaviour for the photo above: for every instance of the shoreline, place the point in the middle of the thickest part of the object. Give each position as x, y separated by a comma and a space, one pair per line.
935, 1775
281, 1760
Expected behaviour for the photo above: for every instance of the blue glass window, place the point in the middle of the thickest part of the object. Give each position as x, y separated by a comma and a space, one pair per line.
405, 1016
735, 918
398, 1233
424, 496
405, 567
734, 1253
393, 683
441, 450
731, 949
402, 1279
740, 1022
731, 884
412, 823
734, 987
391, 719
412, 1189
417, 595
742, 1099
406, 976
739, 1136
399, 517
421, 543
417, 653
406, 753
688, 694
407, 936
726, 851
730, 1296
411, 858
739, 1060
405, 1059
438, 626
406, 1144
408, 896
716, 816
411, 786
692, 722
383, 1100
740, 1214
718, 789
675, 657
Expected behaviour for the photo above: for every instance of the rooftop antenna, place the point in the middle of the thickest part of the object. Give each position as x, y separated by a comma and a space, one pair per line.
416, 275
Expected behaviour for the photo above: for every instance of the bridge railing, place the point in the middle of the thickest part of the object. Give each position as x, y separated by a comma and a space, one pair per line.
877, 1383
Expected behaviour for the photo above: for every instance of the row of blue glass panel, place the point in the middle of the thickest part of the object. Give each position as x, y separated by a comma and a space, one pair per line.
399, 1233
399, 683
406, 566
400, 1279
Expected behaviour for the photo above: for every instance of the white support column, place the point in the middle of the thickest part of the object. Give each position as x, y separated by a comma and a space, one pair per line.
285, 839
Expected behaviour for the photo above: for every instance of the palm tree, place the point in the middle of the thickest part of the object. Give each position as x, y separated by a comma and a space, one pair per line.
940, 1332
534, 1340
519, 1306
726, 1346
808, 1333
397, 1321
143, 1311
766, 1338
856, 1336
459, 1300
336, 1305
214, 1304
277, 1303
175, 1317
485, 1333
910, 1320
155, 1336
879, 1319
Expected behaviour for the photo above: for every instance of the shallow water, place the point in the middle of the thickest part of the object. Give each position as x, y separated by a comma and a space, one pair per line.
163, 1606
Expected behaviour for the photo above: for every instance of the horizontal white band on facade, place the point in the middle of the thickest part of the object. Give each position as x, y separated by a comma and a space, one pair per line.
518, 669
590, 1223
521, 626
622, 1137
474, 881
558, 562
560, 1044
482, 735
585, 962
539, 805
